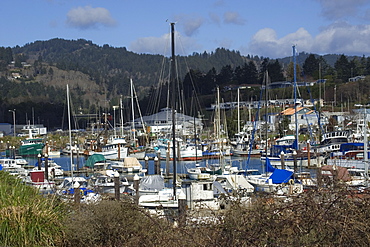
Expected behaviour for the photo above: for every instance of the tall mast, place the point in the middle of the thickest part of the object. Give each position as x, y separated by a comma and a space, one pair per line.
366, 148
70, 132
266, 110
295, 101
133, 115
173, 81
238, 110
121, 113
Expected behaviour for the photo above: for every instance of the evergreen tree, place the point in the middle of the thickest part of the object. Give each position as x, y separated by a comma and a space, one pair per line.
251, 73
311, 67
343, 68
275, 71
225, 76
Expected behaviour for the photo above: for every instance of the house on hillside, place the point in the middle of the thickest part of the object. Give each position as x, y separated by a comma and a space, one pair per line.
357, 78
305, 116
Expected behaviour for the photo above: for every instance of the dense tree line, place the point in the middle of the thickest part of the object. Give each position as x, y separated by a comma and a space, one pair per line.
111, 68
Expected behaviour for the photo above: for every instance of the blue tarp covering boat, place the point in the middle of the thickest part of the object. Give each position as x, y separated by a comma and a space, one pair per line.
269, 167
280, 176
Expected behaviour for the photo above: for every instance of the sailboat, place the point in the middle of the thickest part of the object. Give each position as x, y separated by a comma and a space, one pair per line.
198, 193
134, 150
286, 149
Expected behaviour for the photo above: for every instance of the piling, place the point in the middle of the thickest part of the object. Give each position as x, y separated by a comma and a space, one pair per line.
146, 164
156, 165
39, 162
167, 163
46, 167
136, 187
76, 191
319, 176
282, 160
182, 208
295, 161
116, 186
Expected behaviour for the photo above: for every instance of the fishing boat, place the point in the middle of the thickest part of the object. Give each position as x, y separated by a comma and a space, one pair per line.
115, 148
350, 155
186, 151
31, 147
332, 141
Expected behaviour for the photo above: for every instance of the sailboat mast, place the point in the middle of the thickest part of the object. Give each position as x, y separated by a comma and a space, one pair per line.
133, 114
366, 148
121, 113
70, 132
238, 110
295, 100
266, 110
173, 81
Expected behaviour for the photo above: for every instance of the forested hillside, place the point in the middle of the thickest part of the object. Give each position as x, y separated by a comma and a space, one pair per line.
34, 77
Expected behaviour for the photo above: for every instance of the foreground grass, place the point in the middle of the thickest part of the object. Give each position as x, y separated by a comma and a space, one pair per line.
328, 216
27, 218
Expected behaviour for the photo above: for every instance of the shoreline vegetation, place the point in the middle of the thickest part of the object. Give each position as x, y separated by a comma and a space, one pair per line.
330, 215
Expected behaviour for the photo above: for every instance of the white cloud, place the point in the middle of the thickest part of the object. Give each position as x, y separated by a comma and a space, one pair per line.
338, 38
233, 18
343, 38
89, 17
161, 45
266, 43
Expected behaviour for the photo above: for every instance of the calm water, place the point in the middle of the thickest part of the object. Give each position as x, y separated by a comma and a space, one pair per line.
182, 166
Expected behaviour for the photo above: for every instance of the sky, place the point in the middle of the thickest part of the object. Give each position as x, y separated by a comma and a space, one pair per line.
267, 28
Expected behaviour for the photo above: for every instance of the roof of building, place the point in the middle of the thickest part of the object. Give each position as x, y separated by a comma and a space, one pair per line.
300, 110
166, 115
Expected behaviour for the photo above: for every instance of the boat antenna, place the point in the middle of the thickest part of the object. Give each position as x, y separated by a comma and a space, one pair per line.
173, 72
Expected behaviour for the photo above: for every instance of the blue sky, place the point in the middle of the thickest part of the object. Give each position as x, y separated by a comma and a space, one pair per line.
265, 28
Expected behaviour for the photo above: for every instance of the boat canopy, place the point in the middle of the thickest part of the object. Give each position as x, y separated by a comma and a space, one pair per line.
93, 159
280, 176
153, 182
131, 162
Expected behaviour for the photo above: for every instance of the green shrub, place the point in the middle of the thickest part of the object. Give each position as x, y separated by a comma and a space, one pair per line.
26, 217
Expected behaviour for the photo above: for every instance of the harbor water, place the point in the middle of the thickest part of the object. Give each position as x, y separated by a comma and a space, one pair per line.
242, 163
181, 166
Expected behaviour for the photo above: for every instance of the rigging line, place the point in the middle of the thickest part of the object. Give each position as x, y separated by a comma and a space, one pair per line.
189, 71
312, 142
156, 96
75, 122
251, 143
64, 109
157, 91
138, 107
